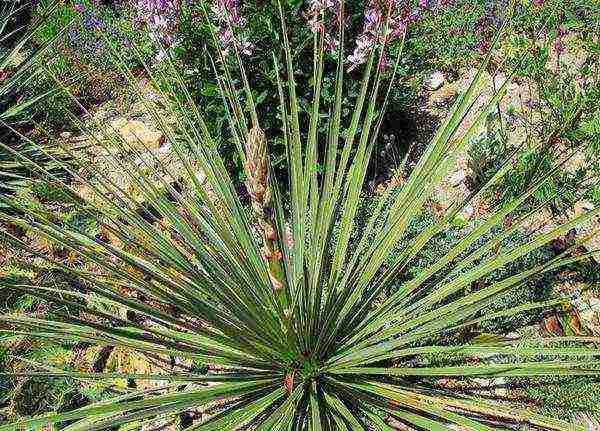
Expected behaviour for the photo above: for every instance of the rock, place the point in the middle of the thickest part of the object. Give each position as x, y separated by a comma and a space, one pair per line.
397, 425
152, 96
587, 205
590, 229
16, 58
541, 222
65, 135
588, 309
435, 81
458, 178
137, 133
468, 212
483, 383
200, 177
587, 420
500, 387
582, 207
165, 148
118, 123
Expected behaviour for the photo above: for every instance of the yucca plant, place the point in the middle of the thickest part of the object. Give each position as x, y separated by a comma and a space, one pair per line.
289, 303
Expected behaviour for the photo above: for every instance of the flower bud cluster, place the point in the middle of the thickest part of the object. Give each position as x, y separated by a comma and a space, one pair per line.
384, 22
162, 20
230, 26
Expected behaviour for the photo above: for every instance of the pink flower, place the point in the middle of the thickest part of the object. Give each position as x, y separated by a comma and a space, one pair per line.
397, 27
483, 46
246, 48
382, 15
231, 23
316, 25
384, 63
79, 8
225, 36
372, 20
331, 43
228, 11
559, 46
581, 80
354, 60
562, 31
481, 26
324, 16
161, 19
391, 4
364, 44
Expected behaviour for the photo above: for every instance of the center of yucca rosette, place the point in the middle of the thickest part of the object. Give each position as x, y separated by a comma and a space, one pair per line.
300, 370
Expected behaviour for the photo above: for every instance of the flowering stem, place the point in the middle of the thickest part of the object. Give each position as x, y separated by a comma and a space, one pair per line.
257, 184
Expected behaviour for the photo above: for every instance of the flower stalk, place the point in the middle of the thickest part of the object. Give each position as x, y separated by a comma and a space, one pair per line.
257, 184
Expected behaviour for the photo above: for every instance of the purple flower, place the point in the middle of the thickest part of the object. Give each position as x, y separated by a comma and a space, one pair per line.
381, 27
373, 19
161, 17
483, 46
562, 31
230, 26
72, 34
228, 11
354, 60
246, 48
320, 17
531, 103
318, 11
92, 22
581, 80
384, 62
79, 8
364, 44
559, 45
226, 36
331, 43
481, 26
397, 27
415, 16
316, 25
391, 4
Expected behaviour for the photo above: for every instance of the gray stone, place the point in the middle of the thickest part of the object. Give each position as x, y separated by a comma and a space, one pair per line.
435, 81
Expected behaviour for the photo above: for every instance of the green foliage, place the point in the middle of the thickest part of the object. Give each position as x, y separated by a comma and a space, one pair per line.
571, 149
563, 396
459, 33
536, 289
80, 58
560, 120
559, 396
23, 396
447, 39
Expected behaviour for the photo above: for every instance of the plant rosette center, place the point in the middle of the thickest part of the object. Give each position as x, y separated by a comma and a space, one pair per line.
303, 369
